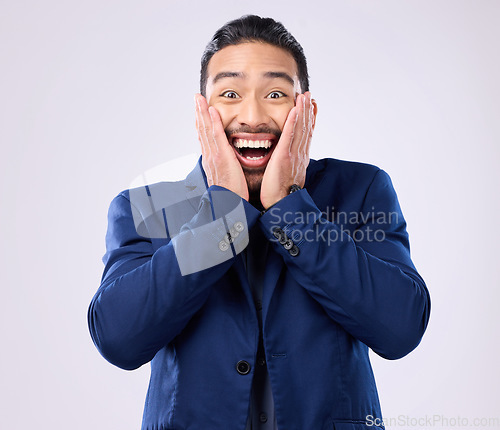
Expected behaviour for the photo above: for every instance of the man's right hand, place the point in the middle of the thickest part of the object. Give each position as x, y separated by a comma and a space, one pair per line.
218, 159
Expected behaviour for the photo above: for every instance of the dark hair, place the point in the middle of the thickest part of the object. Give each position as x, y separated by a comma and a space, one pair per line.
250, 28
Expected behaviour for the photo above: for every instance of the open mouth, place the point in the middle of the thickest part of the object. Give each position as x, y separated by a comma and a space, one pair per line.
254, 150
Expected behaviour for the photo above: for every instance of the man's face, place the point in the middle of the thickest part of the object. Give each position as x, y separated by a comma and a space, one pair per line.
253, 86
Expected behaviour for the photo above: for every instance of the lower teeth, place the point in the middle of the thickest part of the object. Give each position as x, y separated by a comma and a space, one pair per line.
254, 158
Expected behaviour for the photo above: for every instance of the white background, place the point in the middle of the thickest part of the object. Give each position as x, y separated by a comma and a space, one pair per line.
93, 93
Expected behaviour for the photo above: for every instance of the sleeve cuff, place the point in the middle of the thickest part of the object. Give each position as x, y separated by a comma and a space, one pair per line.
286, 222
219, 233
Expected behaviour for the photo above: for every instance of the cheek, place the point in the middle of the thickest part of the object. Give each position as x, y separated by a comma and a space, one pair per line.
226, 113
280, 115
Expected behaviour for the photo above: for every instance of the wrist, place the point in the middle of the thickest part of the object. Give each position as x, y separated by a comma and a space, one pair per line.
292, 189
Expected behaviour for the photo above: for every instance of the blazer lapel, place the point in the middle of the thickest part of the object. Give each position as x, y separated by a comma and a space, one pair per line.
274, 267
195, 185
241, 272
273, 270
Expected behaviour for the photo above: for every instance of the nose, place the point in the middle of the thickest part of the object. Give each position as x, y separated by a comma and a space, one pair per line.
252, 113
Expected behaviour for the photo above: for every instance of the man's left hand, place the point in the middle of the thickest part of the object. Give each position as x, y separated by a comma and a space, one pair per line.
290, 158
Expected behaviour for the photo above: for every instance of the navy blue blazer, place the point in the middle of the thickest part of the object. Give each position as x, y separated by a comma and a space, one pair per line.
338, 281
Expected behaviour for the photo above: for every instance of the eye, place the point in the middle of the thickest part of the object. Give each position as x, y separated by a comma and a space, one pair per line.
276, 95
230, 94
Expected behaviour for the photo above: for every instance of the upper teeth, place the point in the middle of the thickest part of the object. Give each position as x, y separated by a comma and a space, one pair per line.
244, 143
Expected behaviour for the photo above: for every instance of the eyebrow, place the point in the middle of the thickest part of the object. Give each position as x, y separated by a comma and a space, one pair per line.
282, 75
269, 75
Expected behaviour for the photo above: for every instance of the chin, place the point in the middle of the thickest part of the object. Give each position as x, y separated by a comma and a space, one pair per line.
254, 180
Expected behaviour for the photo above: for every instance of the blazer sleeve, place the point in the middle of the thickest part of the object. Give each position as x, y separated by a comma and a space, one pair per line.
147, 296
364, 279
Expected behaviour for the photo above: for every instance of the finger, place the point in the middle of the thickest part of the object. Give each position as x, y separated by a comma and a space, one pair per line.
312, 121
213, 127
288, 133
195, 113
206, 150
300, 127
201, 129
298, 141
301, 142
218, 133
308, 124
215, 137
205, 122
206, 129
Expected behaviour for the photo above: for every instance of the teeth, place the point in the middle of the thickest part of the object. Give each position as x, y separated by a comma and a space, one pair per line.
254, 158
244, 143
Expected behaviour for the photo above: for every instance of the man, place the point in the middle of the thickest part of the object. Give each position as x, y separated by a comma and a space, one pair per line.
256, 286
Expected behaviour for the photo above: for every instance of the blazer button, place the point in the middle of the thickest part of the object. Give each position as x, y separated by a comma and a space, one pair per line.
243, 367
294, 251
288, 245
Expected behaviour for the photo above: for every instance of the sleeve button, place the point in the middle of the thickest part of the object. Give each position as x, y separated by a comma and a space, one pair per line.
233, 232
223, 245
277, 232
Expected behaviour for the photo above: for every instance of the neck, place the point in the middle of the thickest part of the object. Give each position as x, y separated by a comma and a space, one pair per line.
254, 200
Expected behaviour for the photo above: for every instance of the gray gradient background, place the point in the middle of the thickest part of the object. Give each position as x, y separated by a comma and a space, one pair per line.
94, 93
